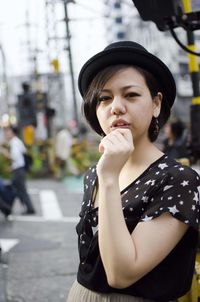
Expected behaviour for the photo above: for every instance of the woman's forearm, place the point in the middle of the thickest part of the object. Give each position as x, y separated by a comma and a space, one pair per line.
115, 242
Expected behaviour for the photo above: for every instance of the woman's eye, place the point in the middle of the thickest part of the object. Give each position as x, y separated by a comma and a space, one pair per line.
104, 98
132, 94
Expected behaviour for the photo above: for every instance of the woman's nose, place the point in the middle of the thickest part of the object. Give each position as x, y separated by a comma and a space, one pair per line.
118, 106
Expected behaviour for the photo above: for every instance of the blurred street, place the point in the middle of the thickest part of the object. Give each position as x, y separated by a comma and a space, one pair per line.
43, 45
39, 260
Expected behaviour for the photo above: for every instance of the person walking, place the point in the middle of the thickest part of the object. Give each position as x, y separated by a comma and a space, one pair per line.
138, 227
63, 143
18, 173
175, 143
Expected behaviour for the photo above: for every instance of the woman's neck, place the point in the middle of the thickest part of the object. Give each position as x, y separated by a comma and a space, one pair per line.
141, 158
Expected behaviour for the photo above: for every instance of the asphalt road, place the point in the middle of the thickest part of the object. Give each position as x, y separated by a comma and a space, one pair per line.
39, 260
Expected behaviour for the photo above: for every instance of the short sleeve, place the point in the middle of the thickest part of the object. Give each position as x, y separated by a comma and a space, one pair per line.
89, 182
178, 194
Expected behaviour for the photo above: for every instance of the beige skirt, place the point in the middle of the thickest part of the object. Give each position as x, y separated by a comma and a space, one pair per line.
79, 293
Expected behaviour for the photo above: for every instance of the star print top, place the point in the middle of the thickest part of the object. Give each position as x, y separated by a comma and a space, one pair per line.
165, 186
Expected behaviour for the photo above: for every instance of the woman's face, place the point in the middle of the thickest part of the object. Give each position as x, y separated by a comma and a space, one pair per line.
125, 102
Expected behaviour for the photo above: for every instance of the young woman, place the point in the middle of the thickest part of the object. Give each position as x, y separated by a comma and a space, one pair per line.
139, 220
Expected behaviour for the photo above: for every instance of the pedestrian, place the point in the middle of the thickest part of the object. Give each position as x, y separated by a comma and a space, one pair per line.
63, 143
18, 174
174, 144
138, 228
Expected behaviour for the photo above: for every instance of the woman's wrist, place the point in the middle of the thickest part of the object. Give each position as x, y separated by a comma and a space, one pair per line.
108, 180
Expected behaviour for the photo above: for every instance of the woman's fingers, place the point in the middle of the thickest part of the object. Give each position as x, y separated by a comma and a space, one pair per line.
117, 140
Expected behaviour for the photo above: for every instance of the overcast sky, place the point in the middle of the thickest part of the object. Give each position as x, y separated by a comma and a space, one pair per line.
86, 26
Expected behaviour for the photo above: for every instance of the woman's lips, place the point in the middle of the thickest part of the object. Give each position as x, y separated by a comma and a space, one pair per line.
120, 124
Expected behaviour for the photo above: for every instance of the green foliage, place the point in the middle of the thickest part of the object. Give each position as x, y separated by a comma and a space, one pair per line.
4, 167
83, 155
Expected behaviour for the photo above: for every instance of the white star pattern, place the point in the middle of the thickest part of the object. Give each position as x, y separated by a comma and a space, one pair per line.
185, 183
196, 197
162, 166
174, 184
147, 218
152, 182
173, 209
167, 188
145, 199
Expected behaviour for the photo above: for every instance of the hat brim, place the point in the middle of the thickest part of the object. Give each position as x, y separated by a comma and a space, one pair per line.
130, 56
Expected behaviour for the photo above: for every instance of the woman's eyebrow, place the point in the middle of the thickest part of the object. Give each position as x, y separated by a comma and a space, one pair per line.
129, 86
122, 88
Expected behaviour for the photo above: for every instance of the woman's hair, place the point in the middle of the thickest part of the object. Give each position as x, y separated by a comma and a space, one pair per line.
91, 97
177, 128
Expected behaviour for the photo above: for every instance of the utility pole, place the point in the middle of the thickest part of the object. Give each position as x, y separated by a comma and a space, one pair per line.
66, 2
194, 73
4, 78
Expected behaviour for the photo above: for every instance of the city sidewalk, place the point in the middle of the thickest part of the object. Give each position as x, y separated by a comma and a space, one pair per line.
42, 265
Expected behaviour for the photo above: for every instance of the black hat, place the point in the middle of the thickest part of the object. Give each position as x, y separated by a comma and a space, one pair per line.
131, 53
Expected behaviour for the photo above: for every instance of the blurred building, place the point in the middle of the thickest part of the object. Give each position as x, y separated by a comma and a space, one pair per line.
50, 92
123, 22
115, 21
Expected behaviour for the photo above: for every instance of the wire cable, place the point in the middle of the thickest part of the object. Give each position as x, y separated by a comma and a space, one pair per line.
174, 35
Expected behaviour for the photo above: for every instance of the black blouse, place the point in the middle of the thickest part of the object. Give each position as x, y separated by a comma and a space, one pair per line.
165, 186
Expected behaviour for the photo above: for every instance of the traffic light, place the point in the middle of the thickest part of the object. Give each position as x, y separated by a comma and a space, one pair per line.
50, 112
56, 65
168, 14
26, 110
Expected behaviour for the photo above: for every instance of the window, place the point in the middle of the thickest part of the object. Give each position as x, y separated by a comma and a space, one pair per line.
118, 20
121, 35
117, 4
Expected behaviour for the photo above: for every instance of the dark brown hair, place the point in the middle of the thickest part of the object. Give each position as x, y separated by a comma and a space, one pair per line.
91, 97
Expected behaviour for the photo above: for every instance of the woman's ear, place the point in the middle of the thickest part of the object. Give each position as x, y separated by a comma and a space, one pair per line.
157, 101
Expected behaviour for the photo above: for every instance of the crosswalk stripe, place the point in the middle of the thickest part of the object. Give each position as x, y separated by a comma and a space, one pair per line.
7, 244
42, 219
50, 206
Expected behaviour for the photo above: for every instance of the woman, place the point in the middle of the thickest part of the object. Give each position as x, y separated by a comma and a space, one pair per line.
139, 217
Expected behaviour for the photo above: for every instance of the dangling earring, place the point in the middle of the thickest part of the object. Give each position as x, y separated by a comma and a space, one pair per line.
154, 129
156, 126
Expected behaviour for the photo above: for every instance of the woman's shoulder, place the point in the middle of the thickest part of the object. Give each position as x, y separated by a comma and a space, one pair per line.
171, 166
180, 170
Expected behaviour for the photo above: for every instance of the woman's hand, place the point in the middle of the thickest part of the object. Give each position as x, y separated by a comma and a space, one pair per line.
116, 147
